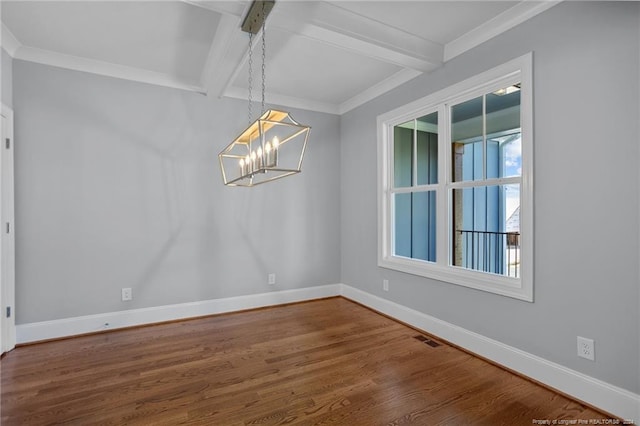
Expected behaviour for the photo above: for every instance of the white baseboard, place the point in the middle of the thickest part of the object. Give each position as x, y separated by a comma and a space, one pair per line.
612, 399
607, 397
34, 332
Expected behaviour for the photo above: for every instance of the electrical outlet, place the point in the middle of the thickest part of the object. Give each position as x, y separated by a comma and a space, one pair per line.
586, 348
272, 279
127, 294
385, 285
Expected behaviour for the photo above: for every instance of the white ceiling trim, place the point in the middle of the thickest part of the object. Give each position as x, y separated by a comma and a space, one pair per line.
284, 100
239, 64
9, 41
219, 76
320, 21
376, 90
227, 8
108, 69
395, 80
347, 30
366, 48
334, 17
370, 39
496, 26
221, 63
219, 49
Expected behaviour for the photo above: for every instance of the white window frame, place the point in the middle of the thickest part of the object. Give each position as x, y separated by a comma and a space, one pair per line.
514, 71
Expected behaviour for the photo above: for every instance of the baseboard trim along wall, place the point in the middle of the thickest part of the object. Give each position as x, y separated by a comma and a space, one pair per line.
605, 396
46, 330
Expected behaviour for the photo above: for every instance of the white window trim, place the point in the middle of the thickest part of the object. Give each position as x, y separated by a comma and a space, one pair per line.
516, 70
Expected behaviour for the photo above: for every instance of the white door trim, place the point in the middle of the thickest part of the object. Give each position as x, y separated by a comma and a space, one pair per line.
7, 238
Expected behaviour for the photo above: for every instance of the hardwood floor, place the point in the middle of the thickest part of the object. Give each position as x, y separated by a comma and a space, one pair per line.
323, 362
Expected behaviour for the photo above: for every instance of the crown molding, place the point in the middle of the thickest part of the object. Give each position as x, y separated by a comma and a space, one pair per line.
378, 89
361, 98
508, 19
76, 63
285, 100
330, 24
9, 42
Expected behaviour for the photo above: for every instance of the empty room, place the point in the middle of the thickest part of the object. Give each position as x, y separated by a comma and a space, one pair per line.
358, 212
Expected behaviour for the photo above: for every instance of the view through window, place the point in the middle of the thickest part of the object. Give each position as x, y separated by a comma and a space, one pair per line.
456, 183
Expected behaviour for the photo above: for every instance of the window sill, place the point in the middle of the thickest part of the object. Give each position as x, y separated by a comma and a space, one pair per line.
515, 288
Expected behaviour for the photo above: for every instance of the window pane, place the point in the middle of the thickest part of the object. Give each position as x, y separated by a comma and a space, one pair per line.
503, 110
466, 140
427, 149
403, 154
486, 233
504, 155
402, 225
415, 225
503, 130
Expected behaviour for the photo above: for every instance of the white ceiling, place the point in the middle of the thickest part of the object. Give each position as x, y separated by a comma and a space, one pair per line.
328, 56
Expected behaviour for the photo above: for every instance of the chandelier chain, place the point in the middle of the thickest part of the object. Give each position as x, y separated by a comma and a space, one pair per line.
264, 44
250, 76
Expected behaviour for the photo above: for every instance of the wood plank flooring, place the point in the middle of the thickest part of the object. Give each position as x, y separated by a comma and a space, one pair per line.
323, 362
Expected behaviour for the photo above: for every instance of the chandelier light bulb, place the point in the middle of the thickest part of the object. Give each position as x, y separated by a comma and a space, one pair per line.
259, 158
247, 163
274, 155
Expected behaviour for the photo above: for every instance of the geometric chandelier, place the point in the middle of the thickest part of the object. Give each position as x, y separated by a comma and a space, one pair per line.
273, 146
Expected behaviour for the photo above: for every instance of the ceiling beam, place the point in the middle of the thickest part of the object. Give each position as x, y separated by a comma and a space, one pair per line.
231, 8
234, 64
347, 30
367, 48
9, 41
215, 73
342, 29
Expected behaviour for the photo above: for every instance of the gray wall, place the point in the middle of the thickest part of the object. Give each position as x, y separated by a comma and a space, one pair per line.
118, 185
7, 79
586, 113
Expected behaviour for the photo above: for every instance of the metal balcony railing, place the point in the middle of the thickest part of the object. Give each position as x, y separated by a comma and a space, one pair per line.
495, 252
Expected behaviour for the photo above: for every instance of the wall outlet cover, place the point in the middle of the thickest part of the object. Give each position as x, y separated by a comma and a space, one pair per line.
586, 348
127, 294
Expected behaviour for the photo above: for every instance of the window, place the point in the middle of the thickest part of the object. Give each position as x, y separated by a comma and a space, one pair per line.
455, 183
415, 175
